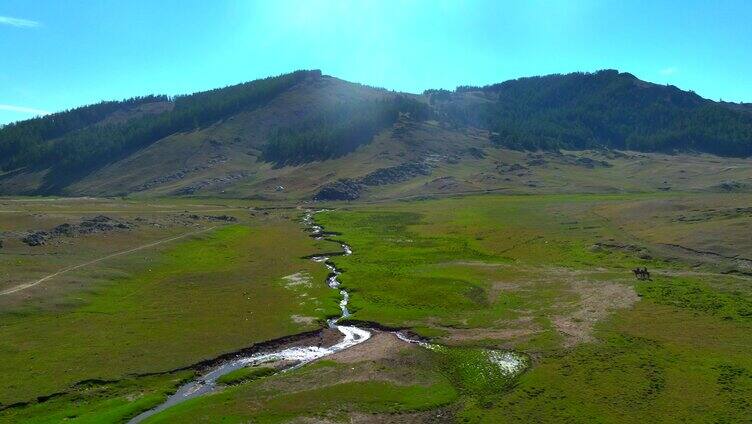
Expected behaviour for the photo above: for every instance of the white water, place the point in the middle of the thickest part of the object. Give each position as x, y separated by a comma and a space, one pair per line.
509, 363
296, 356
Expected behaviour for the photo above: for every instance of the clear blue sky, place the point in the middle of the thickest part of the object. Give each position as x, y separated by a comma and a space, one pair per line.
61, 54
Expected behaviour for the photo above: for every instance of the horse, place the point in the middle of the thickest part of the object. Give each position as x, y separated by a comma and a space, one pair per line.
641, 273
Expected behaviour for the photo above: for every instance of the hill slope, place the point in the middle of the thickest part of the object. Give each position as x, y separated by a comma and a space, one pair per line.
305, 135
602, 109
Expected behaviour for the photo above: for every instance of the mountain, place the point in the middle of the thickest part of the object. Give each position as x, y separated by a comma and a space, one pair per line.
602, 109
306, 135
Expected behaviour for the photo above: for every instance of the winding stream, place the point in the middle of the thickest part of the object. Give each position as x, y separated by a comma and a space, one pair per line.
508, 362
295, 356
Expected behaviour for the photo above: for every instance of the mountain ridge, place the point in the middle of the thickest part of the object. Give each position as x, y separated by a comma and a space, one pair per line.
243, 135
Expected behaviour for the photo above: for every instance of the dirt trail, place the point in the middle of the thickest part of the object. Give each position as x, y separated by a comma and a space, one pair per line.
92, 262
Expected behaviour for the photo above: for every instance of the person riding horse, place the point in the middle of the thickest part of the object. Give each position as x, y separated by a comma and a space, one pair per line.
641, 273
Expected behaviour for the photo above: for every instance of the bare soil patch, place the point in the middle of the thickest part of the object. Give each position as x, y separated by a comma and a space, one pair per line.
381, 345
598, 300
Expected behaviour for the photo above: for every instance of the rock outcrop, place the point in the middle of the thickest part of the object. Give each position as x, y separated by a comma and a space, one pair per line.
350, 189
98, 224
344, 189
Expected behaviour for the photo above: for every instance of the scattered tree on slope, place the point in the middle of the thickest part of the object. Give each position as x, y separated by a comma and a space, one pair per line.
339, 130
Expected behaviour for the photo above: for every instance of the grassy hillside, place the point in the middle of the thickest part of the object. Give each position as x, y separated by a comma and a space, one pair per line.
70, 149
288, 137
602, 109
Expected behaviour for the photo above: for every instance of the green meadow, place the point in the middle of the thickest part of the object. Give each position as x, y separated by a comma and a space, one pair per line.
529, 273
411, 383
214, 293
475, 262
245, 374
546, 276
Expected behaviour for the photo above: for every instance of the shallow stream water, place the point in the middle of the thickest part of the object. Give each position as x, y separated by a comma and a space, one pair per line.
295, 356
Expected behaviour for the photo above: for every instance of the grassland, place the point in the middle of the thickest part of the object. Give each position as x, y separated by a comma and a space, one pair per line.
245, 374
155, 311
653, 362
99, 401
550, 275
492, 263
545, 275
408, 383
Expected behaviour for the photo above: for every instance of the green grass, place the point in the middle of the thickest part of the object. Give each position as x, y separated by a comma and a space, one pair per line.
434, 264
694, 294
245, 374
465, 272
653, 363
411, 383
99, 402
203, 297
366, 397
679, 355
472, 373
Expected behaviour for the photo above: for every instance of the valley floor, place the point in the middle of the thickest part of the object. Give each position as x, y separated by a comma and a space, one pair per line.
548, 276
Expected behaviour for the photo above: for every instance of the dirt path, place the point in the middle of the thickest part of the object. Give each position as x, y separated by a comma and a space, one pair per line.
92, 262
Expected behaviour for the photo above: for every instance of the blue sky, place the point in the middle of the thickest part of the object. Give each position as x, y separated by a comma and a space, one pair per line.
61, 54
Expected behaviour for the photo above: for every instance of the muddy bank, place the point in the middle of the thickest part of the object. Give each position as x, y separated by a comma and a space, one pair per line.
324, 338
